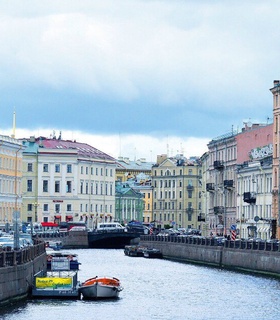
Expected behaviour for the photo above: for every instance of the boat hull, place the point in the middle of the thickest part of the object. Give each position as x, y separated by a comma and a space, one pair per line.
100, 290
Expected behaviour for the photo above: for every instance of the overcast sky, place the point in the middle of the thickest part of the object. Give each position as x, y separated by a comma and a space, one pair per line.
137, 78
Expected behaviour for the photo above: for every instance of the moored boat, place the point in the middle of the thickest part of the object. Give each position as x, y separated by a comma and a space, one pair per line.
100, 288
134, 250
152, 253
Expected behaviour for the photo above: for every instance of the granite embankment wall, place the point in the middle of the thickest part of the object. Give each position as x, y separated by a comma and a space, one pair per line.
69, 239
248, 257
17, 269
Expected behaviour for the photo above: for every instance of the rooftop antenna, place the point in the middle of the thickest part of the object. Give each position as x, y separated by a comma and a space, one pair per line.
14, 125
120, 141
167, 148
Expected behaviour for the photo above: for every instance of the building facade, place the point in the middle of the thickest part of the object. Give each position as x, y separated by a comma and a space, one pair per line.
67, 181
176, 183
276, 154
254, 199
220, 184
129, 203
10, 178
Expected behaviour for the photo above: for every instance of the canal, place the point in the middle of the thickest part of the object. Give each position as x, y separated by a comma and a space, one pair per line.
159, 289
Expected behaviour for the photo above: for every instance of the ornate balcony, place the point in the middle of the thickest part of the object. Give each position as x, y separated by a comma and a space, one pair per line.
189, 210
210, 187
249, 197
201, 217
228, 184
219, 165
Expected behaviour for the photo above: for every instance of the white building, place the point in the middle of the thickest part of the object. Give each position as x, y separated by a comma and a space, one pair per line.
254, 199
67, 181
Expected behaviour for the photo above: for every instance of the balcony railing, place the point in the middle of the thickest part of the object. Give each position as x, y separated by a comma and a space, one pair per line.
201, 217
228, 184
189, 210
219, 165
189, 187
218, 210
249, 197
210, 187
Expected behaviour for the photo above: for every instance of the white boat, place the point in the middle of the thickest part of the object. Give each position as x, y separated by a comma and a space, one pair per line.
100, 288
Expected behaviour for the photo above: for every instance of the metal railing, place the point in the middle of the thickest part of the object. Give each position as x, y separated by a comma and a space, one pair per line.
237, 244
10, 257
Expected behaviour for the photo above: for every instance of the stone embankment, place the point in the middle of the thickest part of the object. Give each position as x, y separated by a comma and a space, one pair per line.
69, 239
255, 257
17, 269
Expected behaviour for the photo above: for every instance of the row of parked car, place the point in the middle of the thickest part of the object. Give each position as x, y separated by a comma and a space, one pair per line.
179, 232
219, 240
7, 240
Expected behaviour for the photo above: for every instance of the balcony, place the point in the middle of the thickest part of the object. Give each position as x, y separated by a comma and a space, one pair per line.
218, 165
249, 197
210, 187
189, 187
218, 210
201, 217
228, 184
189, 210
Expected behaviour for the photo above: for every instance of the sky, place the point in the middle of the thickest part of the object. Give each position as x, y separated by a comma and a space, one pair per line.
137, 78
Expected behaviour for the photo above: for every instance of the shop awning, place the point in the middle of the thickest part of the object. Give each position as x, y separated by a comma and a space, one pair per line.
57, 217
49, 224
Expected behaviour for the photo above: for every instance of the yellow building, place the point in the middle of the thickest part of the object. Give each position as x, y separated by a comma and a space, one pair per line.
10, 178
177, 199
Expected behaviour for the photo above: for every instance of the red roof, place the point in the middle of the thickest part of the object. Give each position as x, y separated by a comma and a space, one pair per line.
82, 149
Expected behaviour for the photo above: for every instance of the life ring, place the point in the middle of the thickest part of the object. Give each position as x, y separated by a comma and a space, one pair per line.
49, 258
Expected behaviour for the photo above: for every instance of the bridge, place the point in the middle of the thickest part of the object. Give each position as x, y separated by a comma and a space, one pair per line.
111, 239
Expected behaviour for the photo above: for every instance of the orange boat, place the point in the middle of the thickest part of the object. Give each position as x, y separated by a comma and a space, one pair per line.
100, 287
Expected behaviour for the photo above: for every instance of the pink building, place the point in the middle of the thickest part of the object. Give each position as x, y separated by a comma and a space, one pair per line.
255, 141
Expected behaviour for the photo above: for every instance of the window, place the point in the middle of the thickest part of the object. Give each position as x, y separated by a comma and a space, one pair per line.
46, 207
86, 187
45, 186
111, 172
29, 185
69, 186
57, 208
45, 167
86, 170
57, 168
96, 171
29, 207
57, 186
69, 207
82, 169
101, 171
29, 167
69, 168
81, 187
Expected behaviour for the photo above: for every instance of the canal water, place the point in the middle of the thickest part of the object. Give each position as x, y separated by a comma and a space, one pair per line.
159, 289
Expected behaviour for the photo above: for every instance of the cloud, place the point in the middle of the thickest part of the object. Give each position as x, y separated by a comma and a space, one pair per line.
167, 66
